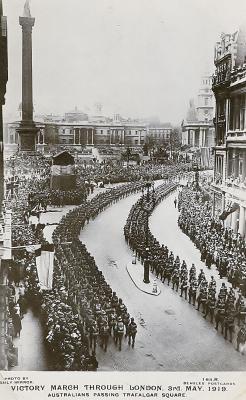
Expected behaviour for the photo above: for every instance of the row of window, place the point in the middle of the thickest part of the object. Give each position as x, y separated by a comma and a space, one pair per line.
160, 135
102, 131
206, 81
71, 141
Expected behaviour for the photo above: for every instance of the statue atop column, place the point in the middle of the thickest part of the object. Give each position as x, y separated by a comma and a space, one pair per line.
27, 12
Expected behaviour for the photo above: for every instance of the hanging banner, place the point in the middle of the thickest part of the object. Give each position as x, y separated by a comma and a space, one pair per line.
45, 265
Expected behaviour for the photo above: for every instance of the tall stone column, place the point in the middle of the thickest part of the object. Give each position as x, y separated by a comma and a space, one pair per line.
244, 165
193, 138
200, 137
244, 128
234, 220
241, 229
27, 130
227, 116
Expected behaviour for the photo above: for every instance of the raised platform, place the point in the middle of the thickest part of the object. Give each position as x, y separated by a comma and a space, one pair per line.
136, 273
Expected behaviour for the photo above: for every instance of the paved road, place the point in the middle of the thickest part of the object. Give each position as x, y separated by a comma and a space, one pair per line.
32, 353
164, 226
172, 336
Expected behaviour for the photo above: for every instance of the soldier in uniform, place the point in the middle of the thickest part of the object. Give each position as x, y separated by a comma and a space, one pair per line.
203, 295
241, 336
119, 332
201, 276
112, 319
121, 308
94, 332
241, 310
223, 291
184, 286
192, 291
192, 273
175, 278
210, 306
229, 320
220, 313
132, 331
104, 335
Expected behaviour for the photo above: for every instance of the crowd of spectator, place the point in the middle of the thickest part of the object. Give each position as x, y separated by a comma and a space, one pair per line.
24, 165
115, 173
218, 245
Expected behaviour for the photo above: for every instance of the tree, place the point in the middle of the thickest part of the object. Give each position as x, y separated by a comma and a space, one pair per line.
175, 139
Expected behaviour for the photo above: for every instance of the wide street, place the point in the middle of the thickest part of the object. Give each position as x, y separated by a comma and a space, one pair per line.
172, 335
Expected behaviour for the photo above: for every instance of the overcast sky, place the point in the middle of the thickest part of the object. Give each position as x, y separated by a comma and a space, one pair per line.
139, 58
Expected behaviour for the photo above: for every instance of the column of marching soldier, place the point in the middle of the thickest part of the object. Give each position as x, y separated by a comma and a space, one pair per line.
226, 309
81, 293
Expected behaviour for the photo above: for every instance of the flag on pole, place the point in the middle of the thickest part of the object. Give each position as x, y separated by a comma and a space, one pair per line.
45, 265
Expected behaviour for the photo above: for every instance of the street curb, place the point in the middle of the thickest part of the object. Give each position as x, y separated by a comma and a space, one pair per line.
137, 280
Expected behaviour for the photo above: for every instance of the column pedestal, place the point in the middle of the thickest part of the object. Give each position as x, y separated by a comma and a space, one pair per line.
27, 137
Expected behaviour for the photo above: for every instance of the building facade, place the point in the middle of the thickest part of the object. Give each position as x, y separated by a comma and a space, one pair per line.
159, 134
229, 87
198, 128
72, 131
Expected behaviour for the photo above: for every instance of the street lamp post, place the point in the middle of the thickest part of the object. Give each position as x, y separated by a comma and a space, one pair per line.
196, 171
147, 209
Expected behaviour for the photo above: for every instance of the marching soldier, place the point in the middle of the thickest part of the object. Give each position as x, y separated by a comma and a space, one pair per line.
175, 278
241, 336
202, 298
94, 332
104, 335
229, 320
132, 331
192, 291
119, 332
126, 321
220, 314
210, 307
184, 286
241, 309
201, 276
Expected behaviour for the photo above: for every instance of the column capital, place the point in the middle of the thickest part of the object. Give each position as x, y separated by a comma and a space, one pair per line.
27, 23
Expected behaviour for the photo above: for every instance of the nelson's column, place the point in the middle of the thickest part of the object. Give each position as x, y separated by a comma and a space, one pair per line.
27, 130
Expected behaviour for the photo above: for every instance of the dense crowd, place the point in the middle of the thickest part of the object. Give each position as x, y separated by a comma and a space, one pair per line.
224, 307
24, 165
23, 291
114, 173
218, 245
34, 172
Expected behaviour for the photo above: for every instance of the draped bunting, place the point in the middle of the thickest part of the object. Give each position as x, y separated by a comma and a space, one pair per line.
229, 211
45, 265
